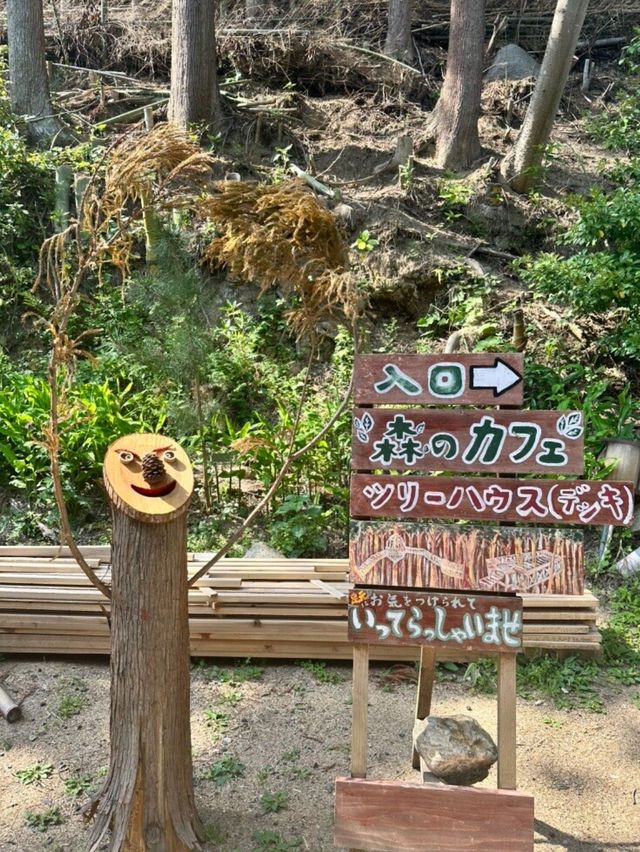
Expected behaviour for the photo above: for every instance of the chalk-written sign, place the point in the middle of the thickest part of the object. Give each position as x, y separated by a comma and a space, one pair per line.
447, 556
542, 501
480, 379
499, 441
469, 622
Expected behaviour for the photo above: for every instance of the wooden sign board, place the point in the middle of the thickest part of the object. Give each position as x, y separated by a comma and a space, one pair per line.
375, 815
541, 501
496, 441
480, 379
437, 619
484, 559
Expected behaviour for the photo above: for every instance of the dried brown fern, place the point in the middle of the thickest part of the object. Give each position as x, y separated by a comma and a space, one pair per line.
282, 236
164, 162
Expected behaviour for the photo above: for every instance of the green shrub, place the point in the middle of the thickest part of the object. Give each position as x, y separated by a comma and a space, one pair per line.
99, 410
26, 202
602, 272
619, 127
298, 528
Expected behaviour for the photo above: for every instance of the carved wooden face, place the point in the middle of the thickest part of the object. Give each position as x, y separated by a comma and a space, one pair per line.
148, 477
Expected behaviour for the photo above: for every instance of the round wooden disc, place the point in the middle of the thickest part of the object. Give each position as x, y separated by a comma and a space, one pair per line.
156, 502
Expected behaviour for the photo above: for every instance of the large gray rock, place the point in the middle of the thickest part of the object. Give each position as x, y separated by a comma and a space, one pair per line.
512, 63
261, 550
455, 748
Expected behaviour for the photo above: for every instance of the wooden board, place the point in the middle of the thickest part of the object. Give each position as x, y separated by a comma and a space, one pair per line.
285, 618
487, 559
472, 622
487, 441
392, 815
542, 501
480, 379
52, 643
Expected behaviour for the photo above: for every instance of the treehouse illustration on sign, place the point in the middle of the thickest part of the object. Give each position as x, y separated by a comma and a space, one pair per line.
457, 557
519, 574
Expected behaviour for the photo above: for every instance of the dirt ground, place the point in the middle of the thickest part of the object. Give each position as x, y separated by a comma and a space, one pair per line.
292, 735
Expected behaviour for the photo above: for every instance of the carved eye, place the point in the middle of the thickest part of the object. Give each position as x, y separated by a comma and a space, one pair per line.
169, 455
125, 456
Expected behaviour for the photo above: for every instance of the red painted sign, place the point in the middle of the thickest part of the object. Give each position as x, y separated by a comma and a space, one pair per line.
496, 441
448, 620
542, 501
480, 379
451, 556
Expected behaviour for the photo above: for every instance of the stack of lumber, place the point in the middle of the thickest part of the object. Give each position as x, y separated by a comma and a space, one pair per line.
288, 608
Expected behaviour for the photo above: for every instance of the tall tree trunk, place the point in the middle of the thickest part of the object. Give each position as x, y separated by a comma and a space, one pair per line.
399, 43
194, 80
455, 117
522, 165
29, 85
148, 797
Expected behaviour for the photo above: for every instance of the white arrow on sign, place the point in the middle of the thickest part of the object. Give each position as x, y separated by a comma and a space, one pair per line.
500, 378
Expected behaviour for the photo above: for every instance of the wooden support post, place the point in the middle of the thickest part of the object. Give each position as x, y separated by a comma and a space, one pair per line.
426, 676
360, 701
360, 713
507, 721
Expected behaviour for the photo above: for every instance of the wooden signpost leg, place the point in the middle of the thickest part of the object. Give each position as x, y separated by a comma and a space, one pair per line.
426, 674
360, 713
360, 698
507, 721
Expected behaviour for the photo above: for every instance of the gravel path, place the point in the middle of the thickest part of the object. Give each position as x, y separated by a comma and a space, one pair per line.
292, 735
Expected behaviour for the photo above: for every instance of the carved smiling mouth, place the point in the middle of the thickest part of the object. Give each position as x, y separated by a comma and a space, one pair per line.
160, 491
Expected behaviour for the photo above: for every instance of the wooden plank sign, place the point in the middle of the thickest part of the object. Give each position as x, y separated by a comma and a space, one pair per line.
496, 441
480, 379
542, 501
486, 559
375, 815
438, 619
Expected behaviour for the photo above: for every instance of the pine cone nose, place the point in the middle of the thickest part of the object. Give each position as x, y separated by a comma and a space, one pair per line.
153, 470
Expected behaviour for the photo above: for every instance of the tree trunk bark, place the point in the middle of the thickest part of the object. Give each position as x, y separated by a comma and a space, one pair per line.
522, 166
148, 800
399, 43
455, 117
194, 80
29, 84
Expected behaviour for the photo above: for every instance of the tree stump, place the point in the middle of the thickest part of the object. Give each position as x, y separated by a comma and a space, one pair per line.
147, 800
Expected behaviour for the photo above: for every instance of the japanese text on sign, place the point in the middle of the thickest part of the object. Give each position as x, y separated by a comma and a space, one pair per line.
407, 618
524, 441
533, 500
479, 379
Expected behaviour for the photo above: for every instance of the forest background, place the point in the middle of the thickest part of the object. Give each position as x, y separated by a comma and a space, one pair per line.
211, 358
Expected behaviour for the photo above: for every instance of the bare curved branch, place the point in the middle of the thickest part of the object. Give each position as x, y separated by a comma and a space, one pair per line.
291, 457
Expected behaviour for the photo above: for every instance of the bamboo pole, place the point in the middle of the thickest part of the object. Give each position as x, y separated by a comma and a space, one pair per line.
8, 707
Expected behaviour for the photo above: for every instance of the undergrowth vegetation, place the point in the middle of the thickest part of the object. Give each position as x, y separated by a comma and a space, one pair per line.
219, 366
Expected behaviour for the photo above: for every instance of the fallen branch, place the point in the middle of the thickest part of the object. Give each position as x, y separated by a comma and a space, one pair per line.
313, 183
119, 75
132, 113
347, 46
